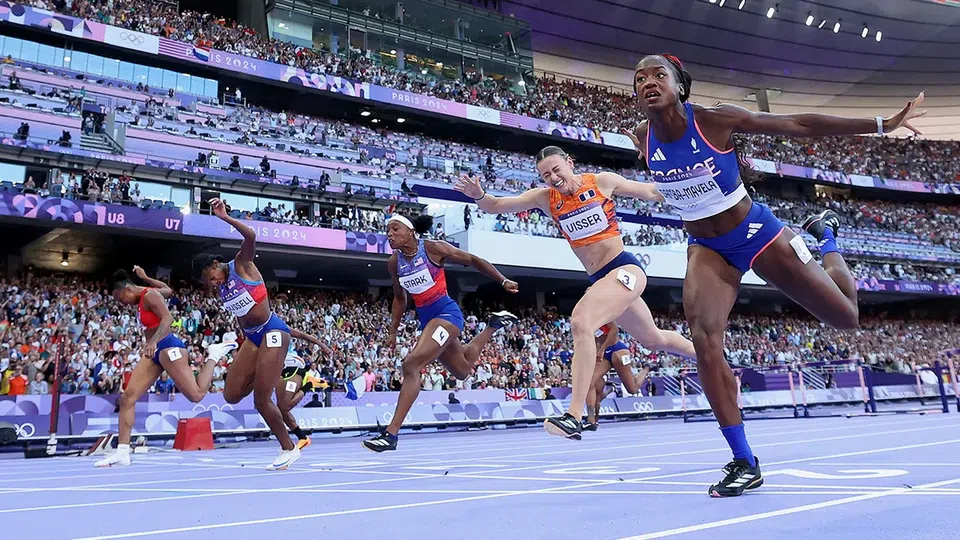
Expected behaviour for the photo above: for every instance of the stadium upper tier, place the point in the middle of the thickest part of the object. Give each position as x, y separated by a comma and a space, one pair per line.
162, 133
560, 105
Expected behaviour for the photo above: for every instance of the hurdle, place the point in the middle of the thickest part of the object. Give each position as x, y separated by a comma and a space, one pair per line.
746, 414
870, 402
803, 411
951, 368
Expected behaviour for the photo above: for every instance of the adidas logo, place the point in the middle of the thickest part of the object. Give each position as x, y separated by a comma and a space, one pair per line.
658, 156
753, 229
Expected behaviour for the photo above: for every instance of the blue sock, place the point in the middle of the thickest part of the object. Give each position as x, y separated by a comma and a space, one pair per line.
737, 440
829, 243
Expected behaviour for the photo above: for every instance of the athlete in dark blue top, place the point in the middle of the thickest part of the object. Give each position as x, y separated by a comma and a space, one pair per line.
691, 156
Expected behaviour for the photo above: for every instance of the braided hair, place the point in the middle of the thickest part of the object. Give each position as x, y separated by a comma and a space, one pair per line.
685, 81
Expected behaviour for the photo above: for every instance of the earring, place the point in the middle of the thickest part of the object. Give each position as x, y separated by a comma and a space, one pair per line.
681, 89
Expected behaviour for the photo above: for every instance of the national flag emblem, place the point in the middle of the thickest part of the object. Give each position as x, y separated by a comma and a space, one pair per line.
516, 395
202, 53
356, 388
586, 196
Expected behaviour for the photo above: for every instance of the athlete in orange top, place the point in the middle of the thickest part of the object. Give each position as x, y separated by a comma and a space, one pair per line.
583, 208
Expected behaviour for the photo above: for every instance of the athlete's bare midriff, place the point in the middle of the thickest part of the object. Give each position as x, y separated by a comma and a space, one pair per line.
596, 256
721, 223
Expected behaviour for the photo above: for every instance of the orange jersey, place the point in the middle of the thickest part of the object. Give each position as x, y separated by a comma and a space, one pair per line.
586, 217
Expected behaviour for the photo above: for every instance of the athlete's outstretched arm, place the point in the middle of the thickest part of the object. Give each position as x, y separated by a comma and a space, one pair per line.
440, 251
160, 286
740, 120
615, 184
399, 302
533, 198
296, 334
248, 247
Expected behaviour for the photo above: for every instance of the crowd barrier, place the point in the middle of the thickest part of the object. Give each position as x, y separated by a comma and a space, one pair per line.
88, 417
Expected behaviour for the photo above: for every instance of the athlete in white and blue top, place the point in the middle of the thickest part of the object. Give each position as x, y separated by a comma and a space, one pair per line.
416, 267
689, 150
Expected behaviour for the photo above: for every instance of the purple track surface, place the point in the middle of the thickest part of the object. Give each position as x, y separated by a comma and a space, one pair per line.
895, 477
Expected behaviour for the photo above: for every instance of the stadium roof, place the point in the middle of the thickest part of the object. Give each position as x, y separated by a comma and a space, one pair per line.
739, 50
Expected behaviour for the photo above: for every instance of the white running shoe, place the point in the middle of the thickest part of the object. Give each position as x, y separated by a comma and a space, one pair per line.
216, 351
284, 460
117, 459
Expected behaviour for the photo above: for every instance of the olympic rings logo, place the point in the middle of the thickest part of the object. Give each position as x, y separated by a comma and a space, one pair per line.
200, 407
25, 430
643, 406
133, 39
644, 260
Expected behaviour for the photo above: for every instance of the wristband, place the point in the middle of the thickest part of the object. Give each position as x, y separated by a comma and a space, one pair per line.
505, 280
480, 197
879, 127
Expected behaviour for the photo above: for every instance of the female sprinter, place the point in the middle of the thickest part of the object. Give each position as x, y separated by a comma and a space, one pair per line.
258, 364
583, 207
611, 352
690, 152
417, 268
291, 388
162, 351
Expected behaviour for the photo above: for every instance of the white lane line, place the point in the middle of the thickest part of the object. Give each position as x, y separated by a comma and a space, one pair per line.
334, 513
571, 488
782, 512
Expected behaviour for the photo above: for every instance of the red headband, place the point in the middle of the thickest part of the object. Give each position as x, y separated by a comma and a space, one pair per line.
673, 59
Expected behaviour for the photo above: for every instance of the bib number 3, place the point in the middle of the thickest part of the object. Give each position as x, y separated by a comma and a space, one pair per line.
627, 279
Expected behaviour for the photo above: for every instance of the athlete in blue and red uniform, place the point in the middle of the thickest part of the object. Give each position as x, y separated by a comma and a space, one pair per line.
258, 364
694, 164
417, 268
611, 352
163, 351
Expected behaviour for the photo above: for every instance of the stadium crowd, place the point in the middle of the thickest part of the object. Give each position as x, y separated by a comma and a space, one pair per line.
564, 101
44, 314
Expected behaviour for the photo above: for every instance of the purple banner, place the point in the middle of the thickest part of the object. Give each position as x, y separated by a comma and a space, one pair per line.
34, 425
289, 235
377, 152
858, 180
916, 287
417, 101
89, 213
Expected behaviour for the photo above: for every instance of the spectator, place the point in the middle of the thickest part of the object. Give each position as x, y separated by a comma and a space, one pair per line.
39, 386
17, 384
164, 385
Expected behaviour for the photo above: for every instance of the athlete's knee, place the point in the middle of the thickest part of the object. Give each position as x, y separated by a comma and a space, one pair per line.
232, 397
261, 400
582, 327
412, 365
655, 341
194, 395
847, 318
707, 340
126, 400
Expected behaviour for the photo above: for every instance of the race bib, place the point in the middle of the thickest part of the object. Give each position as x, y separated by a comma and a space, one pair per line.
584, 221
690, 191
417, 283
241, 305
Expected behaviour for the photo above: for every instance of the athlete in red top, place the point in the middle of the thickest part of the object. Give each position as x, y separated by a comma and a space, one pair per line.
583, 208
162, 351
